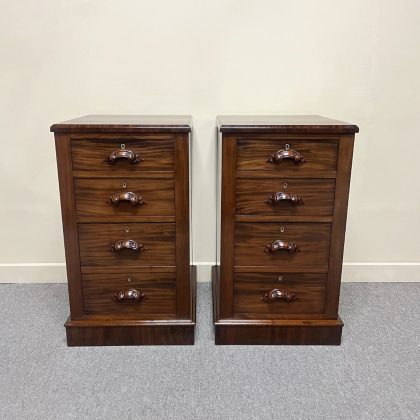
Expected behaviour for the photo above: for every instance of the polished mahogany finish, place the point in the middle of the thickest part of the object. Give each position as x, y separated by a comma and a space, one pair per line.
281, 155
284, 197
123, 154
282, 244
127, 244
105, 152
125, 199
277, 294
255, 294
283, 191
115, 293
130, 295
125, 124
255, 153
121, 197
279, 197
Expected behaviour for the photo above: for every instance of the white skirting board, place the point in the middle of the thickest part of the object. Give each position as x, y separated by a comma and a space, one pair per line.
352, 272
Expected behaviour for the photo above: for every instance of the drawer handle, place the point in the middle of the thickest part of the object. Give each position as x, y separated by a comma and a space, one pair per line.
133, 198
279, 156
279, 245
130, 295
123, 154
277, 197
277, 294
128, 244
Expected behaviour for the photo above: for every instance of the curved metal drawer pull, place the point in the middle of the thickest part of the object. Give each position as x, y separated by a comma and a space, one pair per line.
123, 154
278, 294
283, 154
127, 244
132, 198
280, 245
129, 295
278, 197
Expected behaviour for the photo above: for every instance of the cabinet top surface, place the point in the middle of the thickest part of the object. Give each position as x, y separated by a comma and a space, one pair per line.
125, 124
283, 123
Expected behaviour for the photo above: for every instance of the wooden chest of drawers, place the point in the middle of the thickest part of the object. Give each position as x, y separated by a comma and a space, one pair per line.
125, 199
283, 184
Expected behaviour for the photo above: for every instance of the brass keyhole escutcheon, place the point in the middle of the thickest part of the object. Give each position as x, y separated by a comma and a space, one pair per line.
122, 146
282, 229
287, 146
127, 229
124, 185
280, 277
285, 185
129, 280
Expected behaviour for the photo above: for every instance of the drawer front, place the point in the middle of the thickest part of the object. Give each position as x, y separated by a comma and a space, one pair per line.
268, 294
284, 156
145, 293
287, 197
121, 154
302, 244
111, 197
127, 245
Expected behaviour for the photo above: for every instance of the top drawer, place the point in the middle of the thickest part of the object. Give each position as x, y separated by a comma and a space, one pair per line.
289, 157
123, 155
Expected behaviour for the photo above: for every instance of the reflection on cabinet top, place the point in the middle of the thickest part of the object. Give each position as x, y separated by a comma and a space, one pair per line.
125, 124
283, 124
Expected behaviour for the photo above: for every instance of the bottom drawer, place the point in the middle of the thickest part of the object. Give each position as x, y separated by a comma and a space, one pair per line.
145, 293
265, 295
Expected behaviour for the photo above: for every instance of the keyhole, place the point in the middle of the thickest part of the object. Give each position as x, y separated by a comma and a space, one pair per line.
280, 277
122, 146
285, 185
124, 185
287, 146
129, 280
282, 229
127, 229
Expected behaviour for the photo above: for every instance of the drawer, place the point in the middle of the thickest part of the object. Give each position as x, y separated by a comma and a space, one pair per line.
264, 295
127, 245
146, 293
151, 197
285, 197
122, 154
303, 244
284, 156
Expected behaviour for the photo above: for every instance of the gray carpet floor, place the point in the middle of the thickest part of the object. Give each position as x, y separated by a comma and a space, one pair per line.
374, 374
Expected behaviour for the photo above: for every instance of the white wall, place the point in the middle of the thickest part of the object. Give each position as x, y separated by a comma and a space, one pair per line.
353, 60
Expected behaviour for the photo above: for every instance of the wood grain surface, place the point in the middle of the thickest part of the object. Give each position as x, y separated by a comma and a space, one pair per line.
317, 196
96, 240
93, 195
308, 288
312, 240
261, 331
159, 291
125, 124
252, 155
283, 124
155, 154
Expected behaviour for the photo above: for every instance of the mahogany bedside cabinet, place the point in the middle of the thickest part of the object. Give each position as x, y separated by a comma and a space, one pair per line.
125, 201
283, 184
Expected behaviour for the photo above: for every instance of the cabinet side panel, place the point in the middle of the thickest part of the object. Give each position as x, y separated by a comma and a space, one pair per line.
182, 217
218, 191
68, 213
227, 226
345, 157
